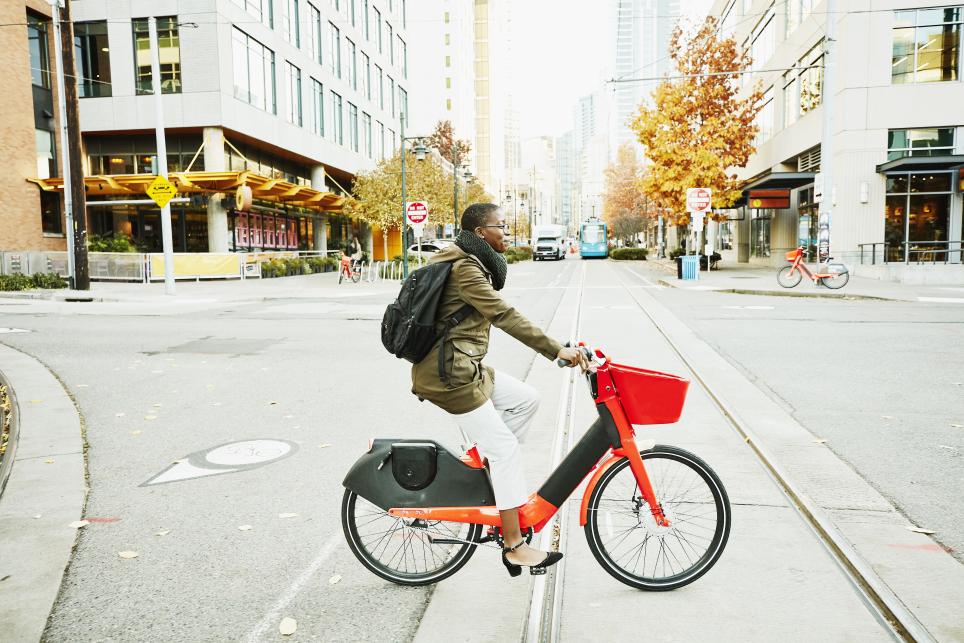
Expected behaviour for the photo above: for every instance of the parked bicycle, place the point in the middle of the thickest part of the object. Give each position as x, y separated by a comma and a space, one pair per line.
831, 275
656, 519
350, 269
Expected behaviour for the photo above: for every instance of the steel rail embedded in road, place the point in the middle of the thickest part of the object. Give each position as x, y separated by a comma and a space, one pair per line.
888, 609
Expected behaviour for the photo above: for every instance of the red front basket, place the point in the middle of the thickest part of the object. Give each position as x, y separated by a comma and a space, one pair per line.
649, 397
792, 255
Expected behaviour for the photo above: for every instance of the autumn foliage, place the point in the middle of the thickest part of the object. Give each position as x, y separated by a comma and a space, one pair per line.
624, 205
700, 126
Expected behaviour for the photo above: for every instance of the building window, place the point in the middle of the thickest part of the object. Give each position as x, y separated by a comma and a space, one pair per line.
313, 36
763, 40
51, 220
797, 12
334, 50
317, 108
260, 9
46, 158
446, 17
728, 21
92, 58
380, 85
403, 52
352, 63
351, 10
39, 56
448, 104
393, 141
337, 119
170, 55
378, 30
366, 20
366, 76
391, 94
367, 133
917, 215
448, 39
926, 45
760, 234
764, 118
290, 22
404, 15
254, 81
381, 140
293, 84
929, 141
448, 61
803, 85
448, 82
353, 127
390, 37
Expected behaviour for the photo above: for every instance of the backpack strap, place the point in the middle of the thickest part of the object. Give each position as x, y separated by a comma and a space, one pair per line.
457, 318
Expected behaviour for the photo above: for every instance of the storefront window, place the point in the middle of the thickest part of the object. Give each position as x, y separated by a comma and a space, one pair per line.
927, 141
760, 234
50, 216
807, 223
169, 54
917, 216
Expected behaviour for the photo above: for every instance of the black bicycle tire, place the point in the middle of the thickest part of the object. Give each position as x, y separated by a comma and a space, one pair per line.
720, 536
799, 274
341, 275
356, 276
846, 279
410, 580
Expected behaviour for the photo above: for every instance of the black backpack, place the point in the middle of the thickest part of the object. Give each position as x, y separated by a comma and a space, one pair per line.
408, 326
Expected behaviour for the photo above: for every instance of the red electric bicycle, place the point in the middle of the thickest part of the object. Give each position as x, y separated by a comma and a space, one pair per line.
831, 275
657, 519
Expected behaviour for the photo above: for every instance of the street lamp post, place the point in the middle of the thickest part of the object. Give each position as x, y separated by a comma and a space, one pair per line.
420, 151
455, 194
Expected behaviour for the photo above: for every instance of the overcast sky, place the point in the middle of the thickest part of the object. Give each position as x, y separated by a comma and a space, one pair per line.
561, 51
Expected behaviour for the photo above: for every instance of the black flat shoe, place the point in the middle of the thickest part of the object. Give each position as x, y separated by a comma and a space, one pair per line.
514, 569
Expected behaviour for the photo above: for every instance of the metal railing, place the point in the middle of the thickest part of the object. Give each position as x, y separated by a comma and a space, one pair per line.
916, 252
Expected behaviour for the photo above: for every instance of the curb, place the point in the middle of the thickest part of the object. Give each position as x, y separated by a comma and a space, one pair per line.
45, 492
6, 465
54, 295
785, 293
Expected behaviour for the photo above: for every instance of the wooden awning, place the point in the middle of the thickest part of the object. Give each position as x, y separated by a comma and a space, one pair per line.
262, 187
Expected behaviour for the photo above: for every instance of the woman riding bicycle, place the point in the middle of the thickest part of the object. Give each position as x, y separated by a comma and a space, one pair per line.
492, 408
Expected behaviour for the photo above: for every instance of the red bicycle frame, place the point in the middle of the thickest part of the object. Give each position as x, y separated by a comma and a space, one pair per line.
611, 435
795, 257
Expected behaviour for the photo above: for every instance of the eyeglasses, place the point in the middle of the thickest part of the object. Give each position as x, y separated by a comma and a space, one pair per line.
503, 226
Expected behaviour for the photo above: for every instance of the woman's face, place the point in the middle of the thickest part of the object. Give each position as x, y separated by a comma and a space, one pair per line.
494, 231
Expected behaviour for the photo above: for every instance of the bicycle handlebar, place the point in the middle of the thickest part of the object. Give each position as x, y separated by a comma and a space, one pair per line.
562, 363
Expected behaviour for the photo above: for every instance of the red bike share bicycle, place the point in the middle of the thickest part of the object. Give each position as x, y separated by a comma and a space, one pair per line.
414, 513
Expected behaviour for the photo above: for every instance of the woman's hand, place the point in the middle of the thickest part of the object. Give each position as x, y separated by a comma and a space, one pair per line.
575, 357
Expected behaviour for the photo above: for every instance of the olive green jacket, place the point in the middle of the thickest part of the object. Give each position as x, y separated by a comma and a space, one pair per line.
469, 383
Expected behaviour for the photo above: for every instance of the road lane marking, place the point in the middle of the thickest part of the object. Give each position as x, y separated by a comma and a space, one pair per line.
259, 630
224, 458
942, 300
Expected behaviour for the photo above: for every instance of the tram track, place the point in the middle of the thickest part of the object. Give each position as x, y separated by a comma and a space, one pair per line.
545, 611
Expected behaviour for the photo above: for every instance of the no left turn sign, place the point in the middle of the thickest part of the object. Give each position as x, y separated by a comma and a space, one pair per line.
698, 200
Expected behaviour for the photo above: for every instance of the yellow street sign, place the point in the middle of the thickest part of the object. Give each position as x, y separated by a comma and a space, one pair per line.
161, 190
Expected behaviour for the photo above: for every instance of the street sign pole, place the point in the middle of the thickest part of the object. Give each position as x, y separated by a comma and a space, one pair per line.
166, 237
826, 143
698, 203
404, 204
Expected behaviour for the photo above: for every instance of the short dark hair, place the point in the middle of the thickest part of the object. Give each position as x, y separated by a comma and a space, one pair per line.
477, 214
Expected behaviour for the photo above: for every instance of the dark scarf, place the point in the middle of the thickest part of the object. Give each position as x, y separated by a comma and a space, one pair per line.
494, 261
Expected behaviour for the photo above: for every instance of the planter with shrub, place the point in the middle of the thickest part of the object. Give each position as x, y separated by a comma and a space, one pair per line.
17, 281
630, 254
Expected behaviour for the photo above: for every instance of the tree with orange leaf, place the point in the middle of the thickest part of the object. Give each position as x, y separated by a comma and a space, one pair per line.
701, 125
624, 206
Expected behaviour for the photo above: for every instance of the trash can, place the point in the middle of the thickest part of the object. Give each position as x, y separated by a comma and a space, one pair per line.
691, 267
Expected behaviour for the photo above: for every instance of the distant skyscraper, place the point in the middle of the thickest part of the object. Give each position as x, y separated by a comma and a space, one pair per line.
643, 29
490, 86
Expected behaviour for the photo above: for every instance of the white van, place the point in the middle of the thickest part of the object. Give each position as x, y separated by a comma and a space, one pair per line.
550, 242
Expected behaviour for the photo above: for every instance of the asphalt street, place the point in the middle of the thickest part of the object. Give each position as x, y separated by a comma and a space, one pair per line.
225, 557
881, 381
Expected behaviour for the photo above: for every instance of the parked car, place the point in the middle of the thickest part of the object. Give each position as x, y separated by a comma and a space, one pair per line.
431, 246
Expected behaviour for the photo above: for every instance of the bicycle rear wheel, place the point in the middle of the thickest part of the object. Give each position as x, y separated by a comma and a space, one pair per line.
839, 280
626, 540
356, 275
405, 551
785, 279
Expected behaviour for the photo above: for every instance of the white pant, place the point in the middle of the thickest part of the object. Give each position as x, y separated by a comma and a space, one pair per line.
497, 427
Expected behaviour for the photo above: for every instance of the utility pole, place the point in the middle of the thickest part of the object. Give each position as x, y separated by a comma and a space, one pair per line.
75, 202
455, 193
826, 144
167, 240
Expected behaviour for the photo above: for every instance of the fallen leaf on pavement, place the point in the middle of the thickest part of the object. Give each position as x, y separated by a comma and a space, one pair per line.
128, 554
921, 530
820, 441
38, 516
958, 426
163, 533
244, 527
288, 515
288, 626
334, 579
135, 432
887, 417
36, 401
157, 404
49, 461
77, 524
82, 385
150, 417
323, 445
271, 403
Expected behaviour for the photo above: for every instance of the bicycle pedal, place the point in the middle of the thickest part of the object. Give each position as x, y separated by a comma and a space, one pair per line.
537, 571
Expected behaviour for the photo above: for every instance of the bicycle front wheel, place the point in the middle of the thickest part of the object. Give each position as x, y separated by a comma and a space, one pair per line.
839, 280
787, 280
356, 276
402, 550
626, 540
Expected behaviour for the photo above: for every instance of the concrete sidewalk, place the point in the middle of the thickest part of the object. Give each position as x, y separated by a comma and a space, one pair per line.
763, 281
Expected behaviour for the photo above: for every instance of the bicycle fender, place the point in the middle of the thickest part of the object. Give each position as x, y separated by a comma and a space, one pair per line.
643, 445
